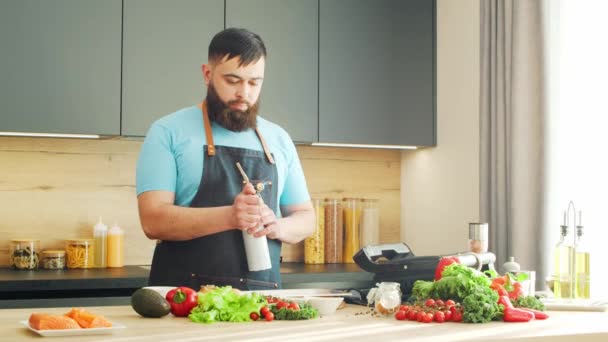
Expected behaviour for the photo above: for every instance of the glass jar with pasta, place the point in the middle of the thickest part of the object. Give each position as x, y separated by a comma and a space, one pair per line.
24, 254
80, 253
314, 245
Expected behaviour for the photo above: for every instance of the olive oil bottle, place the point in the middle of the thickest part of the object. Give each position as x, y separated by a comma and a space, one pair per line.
582, 265
563, 266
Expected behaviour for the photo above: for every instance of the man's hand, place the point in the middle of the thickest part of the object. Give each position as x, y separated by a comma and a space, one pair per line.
246, 208
271, 226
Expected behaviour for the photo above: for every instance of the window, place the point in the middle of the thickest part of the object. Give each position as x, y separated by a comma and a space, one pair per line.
577, 123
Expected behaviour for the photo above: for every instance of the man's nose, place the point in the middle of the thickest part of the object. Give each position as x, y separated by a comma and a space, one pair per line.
242, 91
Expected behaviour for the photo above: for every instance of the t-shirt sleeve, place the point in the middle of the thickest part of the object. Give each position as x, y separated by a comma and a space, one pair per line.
295, 190
156, 169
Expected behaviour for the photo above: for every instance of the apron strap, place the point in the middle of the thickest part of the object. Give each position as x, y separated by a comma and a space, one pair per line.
264, 146
209, 134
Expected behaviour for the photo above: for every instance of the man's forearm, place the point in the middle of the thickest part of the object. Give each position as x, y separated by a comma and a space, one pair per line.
297, 226
175, 223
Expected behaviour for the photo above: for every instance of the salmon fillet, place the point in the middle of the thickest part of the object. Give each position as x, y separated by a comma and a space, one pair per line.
44, 321
86, 319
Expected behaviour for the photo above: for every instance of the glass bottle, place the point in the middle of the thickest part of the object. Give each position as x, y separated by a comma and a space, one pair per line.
334, 231
563, 265
314, 246
583, 270
352, 228
370, 222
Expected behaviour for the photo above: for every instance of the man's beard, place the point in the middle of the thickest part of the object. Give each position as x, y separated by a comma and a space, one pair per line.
232, 119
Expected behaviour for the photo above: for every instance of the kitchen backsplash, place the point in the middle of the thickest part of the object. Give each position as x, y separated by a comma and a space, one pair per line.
56, 189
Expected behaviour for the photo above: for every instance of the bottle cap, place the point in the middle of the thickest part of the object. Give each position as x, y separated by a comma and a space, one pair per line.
100, 227
115, 230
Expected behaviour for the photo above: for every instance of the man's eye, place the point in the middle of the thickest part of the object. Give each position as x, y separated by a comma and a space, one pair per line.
232, 81
254, 83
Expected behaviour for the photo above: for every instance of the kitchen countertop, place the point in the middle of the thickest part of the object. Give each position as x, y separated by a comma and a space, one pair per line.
347, 323
49, 288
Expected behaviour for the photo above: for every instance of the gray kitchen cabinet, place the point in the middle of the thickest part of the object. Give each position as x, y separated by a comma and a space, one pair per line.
60, 66
164, 45
377, 72
289, 29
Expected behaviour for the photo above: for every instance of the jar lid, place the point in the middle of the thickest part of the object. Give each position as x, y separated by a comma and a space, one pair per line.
370, 199
81, 241
351, 199
24, 240
54, 252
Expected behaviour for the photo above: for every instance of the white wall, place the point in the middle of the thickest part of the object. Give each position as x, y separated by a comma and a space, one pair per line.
440, 186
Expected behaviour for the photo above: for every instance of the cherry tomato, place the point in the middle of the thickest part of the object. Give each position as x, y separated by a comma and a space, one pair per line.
449, 303
448, 315
269, 316
439, 303
427, 317
411, 315
400, 315
457, 316
404, 308
294, 306
429, 303
264, 310
420, 316
254, 316
439, 317
281, 304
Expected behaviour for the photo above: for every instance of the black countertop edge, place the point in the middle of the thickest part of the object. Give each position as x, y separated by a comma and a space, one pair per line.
294, 275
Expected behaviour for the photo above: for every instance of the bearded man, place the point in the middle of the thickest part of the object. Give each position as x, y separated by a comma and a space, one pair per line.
191, 195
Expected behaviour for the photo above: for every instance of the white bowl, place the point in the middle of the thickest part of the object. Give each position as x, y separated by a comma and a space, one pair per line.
325, 305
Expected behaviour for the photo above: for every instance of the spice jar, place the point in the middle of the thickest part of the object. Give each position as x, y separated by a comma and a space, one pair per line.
478, 237
352, 220
334, 231
386, 297
80, 253
53, 259
314, 246
23, 254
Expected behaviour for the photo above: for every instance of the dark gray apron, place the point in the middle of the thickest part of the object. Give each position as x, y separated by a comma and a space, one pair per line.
219, 259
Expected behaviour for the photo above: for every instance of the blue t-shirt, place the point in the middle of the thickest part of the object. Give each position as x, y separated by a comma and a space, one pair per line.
171, 157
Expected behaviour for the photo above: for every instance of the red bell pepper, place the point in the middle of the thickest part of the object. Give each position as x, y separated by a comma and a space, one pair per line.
443, 262
183, 300
505, 301
517, 315
537, 314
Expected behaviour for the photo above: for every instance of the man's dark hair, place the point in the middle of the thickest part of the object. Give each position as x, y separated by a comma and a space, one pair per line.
236, 42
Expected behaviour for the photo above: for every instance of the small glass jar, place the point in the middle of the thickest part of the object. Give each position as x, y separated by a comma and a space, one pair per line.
80, 253
23, 254
53, 259
352, 228
314, 246
334, 231
478, 237
386, 297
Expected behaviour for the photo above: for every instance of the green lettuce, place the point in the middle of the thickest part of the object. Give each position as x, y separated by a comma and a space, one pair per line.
222, 304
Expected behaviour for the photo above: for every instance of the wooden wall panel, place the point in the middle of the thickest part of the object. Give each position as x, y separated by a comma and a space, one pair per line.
55, 189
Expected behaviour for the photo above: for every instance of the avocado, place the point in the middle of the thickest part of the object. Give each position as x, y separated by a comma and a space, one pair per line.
149, 303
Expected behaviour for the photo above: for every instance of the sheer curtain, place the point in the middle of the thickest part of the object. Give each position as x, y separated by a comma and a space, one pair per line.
577, 126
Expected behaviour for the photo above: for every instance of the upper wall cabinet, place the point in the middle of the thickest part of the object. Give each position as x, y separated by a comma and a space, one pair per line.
377, 72
165, 44
289, 29
60, 69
